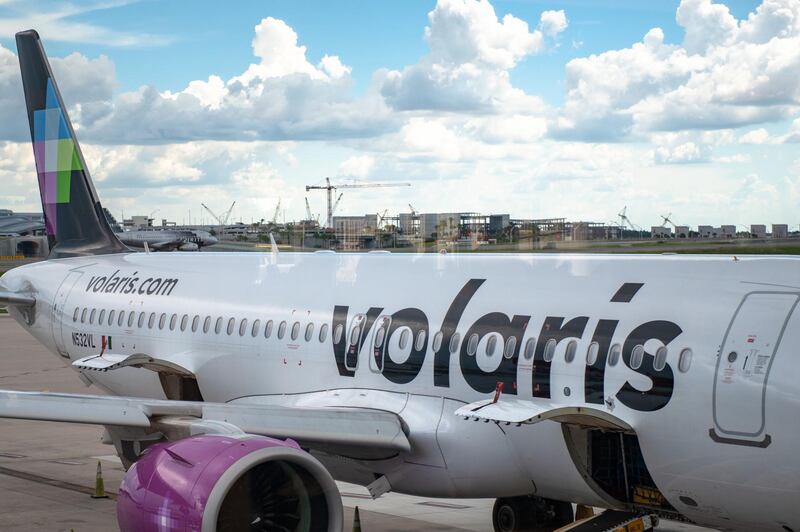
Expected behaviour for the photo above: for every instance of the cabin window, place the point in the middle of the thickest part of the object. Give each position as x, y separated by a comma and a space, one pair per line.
472, 345
309, 332
530, 347
614, 354
337, 334
281, 330
637, 355
404, 337
162, 320
380, 336
591, 353
685, 360
140, 322
121, 318
206, 324
152, 320
91, 316
173, 321
661, 358
295, 330
572, 348
83, 315
511, 346
195, 322
101, 318
549, 350
218, 325
231, 326
256, 328
454, 341
420, 340
323, 332
437, 341
491, 345
355, 334
268, 329
75, 314
111, 316
243, 327
184, 322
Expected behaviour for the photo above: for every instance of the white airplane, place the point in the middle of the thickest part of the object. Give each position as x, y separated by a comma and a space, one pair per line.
247, 382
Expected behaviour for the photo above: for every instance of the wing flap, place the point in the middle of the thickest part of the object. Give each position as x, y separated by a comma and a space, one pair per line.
357, 427
529, 412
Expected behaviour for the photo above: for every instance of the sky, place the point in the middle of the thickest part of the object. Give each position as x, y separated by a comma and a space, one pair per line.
537, 108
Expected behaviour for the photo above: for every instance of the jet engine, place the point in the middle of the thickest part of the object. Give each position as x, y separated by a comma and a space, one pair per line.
188, 246
224, 483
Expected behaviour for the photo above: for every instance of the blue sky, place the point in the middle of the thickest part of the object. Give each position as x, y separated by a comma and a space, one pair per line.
566, 108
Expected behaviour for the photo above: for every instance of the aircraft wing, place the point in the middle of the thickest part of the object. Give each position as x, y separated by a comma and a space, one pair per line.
359, 428
14, 299
166, 244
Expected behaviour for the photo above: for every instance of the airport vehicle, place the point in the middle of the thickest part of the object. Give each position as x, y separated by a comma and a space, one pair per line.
664, 384
167, 239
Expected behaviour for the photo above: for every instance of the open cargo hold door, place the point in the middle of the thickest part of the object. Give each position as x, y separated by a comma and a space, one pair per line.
604, 448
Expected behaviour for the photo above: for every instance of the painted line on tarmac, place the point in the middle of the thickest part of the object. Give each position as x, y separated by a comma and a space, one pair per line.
32, 477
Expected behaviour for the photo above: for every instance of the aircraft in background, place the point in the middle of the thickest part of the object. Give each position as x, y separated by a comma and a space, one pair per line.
182, 239
167, 239
247, 382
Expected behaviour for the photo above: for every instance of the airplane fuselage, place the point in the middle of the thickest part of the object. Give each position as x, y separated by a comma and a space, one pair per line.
697, 354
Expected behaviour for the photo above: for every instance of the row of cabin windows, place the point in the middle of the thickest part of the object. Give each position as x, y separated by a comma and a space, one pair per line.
86, 315
493, 340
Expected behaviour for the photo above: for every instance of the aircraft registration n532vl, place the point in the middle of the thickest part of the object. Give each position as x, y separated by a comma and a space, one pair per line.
247, 382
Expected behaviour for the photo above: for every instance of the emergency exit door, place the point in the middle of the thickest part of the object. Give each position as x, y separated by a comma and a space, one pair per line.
748, 350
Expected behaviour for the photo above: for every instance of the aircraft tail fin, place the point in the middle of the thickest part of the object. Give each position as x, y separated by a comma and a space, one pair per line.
74, 218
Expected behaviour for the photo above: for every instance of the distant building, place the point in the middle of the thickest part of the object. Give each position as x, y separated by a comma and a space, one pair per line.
138, 222
758, 231
440, 226
659, 231
682, 231
780, 231
728, 231
706, 231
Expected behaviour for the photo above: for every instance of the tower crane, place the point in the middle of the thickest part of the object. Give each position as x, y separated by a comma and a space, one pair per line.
413, 210
329, 188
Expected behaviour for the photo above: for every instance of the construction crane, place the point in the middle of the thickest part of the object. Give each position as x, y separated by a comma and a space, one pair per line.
329, 188
336, 203
308, 210
223, 219
413, 210
274, 220
381, 217
667, 220
624, 220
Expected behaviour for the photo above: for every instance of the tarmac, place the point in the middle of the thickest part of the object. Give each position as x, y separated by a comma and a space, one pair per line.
47, 470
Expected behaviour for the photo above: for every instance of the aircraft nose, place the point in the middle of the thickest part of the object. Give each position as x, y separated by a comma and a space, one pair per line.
212, 240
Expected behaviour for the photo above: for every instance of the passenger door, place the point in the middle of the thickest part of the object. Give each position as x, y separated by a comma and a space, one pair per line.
748, 350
